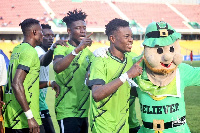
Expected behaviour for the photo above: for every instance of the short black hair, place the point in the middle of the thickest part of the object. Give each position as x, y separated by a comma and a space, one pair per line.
114, 24
45, 26
27, 23
74, 15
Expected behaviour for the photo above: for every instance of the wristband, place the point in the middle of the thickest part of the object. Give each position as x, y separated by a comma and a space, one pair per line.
74, 53
52, 48
28, 114
124, 77
49, 83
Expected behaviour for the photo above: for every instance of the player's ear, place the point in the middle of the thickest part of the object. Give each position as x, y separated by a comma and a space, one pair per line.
112, 38
34, 32
68, 31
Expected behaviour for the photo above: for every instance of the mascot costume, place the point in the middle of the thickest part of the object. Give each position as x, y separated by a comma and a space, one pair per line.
162, 83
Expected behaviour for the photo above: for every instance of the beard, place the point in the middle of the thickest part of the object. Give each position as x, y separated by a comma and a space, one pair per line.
159, 71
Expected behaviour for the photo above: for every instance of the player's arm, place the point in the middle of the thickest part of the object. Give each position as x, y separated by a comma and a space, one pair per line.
60, 64
99, 92
46, 59
19, 93
53, 84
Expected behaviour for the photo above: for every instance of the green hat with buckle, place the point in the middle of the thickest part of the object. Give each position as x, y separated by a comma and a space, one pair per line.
161, 34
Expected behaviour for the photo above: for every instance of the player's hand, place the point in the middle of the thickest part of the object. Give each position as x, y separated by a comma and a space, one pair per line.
101, 52
61, 42
1, 104
1, 128
56, 88
135, 70
86, 41
33, 126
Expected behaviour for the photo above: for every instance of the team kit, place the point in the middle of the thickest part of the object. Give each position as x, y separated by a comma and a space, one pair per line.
96, 91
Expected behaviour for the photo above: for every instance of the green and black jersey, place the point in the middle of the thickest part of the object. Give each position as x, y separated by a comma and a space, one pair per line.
110, 115
73, 100
24, 57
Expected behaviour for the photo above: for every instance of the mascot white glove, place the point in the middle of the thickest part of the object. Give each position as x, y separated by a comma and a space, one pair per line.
101, 52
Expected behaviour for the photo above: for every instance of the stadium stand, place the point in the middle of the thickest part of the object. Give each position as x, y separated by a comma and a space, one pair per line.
99, 13
15, 11
192, 12
151, 12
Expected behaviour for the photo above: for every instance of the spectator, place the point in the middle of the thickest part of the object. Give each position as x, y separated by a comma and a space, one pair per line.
191, 56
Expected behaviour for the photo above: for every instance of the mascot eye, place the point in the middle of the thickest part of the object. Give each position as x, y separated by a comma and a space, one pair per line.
171, 49
159, 50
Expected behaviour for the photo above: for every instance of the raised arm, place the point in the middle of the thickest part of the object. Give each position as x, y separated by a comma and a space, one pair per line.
46, 59
60, 64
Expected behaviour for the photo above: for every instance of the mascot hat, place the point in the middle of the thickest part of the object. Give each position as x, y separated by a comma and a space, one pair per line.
161, 34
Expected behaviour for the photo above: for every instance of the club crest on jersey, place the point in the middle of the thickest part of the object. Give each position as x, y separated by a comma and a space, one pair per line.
87, 59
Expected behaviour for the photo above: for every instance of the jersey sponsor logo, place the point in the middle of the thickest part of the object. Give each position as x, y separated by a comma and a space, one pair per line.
165, 109
14, 56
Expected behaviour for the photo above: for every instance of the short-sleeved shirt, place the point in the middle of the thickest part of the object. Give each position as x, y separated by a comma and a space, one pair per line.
3, 71
110, 115
171, 109
24, 57
73, 100
44, 76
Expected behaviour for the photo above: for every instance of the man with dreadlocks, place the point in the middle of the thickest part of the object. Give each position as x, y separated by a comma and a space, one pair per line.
21, 94
70, 66
46, 57
110, 81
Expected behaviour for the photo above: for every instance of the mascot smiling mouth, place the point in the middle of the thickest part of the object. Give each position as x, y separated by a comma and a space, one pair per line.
166, 65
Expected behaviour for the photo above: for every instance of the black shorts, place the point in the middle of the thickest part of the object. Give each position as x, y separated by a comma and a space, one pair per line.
44, 114
47, 122
24, 130
73, 125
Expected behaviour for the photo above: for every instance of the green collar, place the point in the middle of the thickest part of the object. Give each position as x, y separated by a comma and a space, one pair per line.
116, 58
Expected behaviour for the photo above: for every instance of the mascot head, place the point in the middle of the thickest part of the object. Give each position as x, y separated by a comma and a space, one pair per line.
162, 52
